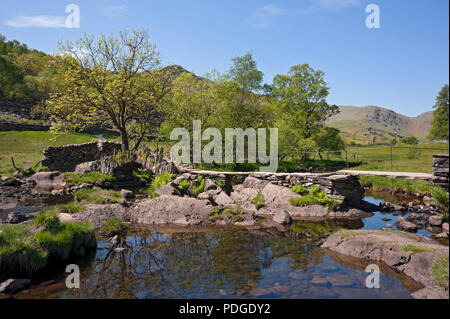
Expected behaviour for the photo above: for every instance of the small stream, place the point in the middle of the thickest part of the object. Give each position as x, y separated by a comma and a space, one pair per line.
224, 262
221, 263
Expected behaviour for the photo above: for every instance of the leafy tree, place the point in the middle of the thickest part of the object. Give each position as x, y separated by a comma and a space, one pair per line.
300, 98
117, 80
191, 99
439, 124
393, 141
328, 139
410, 140
241, 105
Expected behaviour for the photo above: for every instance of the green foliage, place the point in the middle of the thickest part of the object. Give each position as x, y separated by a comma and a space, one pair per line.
441, 197
162, 180
114, 226
440, 123
410, 140
90, 177
133, 85
300, 98
315, 196
184, 184
221, 184
259, 201
413, 153
201, 187
26, 249
299, 189
48, 220
440, 270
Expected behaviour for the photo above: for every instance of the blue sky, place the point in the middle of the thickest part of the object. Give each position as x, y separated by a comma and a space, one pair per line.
401, 66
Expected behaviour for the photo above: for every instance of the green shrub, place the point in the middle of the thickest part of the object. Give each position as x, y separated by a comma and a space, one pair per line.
184, 185
299, 189
26, 249
200, 188
49, 220
315, 196
221, 184
259, 201
440, 197
161, 180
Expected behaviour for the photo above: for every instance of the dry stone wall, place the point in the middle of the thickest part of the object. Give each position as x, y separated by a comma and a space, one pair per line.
67, 157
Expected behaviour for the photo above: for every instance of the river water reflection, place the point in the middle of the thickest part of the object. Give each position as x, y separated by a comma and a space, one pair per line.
221, 263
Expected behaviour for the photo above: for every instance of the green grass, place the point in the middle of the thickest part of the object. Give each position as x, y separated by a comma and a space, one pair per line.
91, 177
26, 147
26, 249
315, 196
114, 226
378, 158
416, 249
97, 196
158, 182
229, 213
439, 271
259, 201
70, 208
384, 184
440, 197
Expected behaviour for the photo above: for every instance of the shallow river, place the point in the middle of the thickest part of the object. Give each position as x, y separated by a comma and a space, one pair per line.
179, 262
221, 263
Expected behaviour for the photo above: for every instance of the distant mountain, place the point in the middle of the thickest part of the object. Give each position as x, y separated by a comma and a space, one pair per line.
373, 124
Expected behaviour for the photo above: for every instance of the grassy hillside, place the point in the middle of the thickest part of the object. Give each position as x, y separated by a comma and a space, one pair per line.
372, 124
26, 147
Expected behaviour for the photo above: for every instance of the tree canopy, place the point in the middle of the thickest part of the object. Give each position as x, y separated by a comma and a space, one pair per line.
439, 124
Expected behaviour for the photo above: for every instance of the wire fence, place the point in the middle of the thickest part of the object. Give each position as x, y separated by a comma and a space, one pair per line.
379, 158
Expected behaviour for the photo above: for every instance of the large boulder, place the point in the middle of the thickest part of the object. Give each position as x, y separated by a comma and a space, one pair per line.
405, 225
46, 182
394, 248
170, 210
98, 214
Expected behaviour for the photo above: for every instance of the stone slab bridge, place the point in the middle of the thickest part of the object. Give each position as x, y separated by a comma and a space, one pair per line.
405, 175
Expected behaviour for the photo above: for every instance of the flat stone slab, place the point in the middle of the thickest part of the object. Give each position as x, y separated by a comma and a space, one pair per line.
406, 175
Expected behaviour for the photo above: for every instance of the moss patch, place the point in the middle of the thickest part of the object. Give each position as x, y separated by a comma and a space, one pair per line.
91, 177
259, 201
416, 249
439, 271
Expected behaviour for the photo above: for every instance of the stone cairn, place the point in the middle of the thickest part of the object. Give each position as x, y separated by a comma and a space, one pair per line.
440, 170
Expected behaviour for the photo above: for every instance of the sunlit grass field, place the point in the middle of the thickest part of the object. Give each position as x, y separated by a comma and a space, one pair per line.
26, 147
405, 158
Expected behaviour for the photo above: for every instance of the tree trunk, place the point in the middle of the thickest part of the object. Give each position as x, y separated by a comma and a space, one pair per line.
125, 142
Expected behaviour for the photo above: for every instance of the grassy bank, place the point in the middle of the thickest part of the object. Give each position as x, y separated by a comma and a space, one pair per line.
396, 185
29, 248
26, 147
